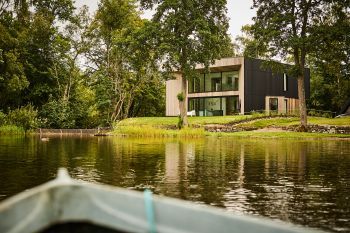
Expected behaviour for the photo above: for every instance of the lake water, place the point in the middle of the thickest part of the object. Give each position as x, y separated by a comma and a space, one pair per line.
304, 182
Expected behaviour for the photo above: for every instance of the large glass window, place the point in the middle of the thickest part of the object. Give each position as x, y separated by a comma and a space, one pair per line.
191, 85
273, 104
213, 82
196, 104
199, 84
230, 81
231, 105
214, 106
196, 84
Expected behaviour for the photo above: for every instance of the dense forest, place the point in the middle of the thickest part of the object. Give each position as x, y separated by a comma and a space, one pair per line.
62, 67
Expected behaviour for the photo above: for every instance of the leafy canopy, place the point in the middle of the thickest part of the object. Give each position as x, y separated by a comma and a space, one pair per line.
189, 32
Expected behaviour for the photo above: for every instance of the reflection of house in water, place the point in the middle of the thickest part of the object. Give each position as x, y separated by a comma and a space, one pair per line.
281, 160
236, 199
172, 157
177, 157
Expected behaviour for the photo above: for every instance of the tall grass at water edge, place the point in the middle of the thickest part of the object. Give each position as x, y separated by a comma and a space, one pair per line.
11, 130
153, 132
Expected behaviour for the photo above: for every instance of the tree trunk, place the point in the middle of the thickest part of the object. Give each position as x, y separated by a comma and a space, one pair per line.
302, 103
183, 108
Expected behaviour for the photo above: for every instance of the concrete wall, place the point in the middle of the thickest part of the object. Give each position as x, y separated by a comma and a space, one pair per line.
224, 62
173, 87
292, 104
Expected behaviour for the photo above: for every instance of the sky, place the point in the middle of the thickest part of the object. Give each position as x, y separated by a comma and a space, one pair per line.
239, 13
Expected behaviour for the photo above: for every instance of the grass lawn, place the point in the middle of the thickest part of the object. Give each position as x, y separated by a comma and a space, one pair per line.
172, 121
259, 123
154, 127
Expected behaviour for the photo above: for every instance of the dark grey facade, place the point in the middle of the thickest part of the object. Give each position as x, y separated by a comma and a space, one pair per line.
259, 83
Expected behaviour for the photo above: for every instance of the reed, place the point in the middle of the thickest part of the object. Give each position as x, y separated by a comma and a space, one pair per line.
11, 130
154, 132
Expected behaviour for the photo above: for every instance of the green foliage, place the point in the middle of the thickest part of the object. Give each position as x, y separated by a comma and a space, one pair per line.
80, 111
248, 46
150, 99
25, 117
154, 132
329, 62
290, 28
2, 118
187, 33
126, 81
163, 127
58, 114
171, 122
180, 96
11, 130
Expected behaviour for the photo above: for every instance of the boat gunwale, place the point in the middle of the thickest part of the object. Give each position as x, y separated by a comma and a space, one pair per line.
64, 181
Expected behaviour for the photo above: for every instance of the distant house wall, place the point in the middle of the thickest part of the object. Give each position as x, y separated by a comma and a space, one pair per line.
173, 87
260, 83
285, 105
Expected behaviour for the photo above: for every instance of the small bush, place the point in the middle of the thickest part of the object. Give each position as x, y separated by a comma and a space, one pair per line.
181, 97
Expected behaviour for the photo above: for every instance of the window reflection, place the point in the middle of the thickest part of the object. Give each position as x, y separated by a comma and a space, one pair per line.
214, 106
213, 82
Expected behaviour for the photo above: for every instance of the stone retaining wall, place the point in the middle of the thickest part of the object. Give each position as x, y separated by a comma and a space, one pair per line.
330, 129
311, 128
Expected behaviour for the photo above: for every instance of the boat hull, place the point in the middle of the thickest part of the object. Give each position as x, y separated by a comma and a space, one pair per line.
64, 201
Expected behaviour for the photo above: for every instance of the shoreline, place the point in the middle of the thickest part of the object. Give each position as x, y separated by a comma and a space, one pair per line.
199, 127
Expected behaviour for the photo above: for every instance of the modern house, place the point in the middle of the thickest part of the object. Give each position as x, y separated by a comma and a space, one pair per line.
236, 86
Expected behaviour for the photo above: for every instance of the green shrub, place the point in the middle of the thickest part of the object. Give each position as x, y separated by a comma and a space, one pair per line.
2, 118
327, 115
11, 130
25, 117
181, 97
57, 114
312, 112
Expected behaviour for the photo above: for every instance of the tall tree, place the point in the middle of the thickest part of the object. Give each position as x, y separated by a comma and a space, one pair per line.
248, 46
288, 28
330, 62
120, 57
189, 32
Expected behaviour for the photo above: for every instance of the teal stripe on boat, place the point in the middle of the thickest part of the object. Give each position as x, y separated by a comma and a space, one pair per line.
150, 211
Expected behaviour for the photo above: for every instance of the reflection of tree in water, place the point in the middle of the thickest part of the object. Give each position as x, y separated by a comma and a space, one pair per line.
236, 199
305, 182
